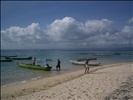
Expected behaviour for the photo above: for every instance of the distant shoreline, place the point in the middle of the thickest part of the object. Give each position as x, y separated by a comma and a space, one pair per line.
78, 49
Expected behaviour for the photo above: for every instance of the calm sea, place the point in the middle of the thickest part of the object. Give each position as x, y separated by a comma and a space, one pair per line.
11, 73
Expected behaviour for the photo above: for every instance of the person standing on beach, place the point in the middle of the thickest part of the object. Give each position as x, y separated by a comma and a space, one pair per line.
87, 66
58, 65
34, 61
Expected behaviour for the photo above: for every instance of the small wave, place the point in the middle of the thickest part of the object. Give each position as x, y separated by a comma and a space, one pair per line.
23, 82
20, 82
15, 83
35, 78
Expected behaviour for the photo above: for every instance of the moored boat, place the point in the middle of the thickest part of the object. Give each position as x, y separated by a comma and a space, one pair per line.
75, 62
35, 67
19, 58
10, 56
116, 53
102, 55
5, 60
130, 53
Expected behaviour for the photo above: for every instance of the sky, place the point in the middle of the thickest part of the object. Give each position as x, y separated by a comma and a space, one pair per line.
66, 24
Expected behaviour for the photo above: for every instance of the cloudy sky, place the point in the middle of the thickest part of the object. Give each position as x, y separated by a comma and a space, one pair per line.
66, 24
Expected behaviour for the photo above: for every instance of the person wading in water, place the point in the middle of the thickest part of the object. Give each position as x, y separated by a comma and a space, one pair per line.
58, 65
34, 61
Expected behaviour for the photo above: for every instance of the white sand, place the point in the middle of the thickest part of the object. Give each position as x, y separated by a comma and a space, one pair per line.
94, 86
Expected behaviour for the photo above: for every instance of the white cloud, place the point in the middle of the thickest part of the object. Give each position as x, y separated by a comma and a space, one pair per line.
23, 35
59, 28
68, 29
97, 25
68, 32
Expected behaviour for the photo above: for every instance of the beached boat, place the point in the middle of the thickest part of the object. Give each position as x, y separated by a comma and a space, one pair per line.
35, 67
75, 62
18, 58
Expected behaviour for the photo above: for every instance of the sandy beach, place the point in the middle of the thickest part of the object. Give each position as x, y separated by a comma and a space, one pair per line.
107, 82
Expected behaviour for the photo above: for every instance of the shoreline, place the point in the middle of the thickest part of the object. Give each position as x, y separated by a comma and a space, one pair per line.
30, 87
38, 78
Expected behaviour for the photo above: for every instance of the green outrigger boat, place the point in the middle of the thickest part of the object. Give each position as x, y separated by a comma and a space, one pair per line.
35, 67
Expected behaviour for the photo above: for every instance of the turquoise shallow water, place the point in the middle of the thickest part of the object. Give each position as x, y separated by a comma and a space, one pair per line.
11, 73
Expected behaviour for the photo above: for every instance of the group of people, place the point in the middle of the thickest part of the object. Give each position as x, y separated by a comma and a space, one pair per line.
58, 66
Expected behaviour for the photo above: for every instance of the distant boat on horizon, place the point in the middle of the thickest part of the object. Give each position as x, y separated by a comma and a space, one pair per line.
5, 60
10, 56
101, 54
18, 58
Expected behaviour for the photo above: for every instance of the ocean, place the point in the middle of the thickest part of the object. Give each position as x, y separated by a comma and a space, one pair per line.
11, 73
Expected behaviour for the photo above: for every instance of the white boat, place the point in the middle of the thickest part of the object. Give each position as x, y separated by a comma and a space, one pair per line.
101, 54
75, 62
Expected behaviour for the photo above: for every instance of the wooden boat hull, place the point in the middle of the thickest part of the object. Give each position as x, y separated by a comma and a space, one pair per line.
29, 66
116, 53
6, 60
12, 58
78, 62
9, 56
83, 63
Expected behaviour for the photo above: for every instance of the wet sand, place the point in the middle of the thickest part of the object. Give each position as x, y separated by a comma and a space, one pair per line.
102, 83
